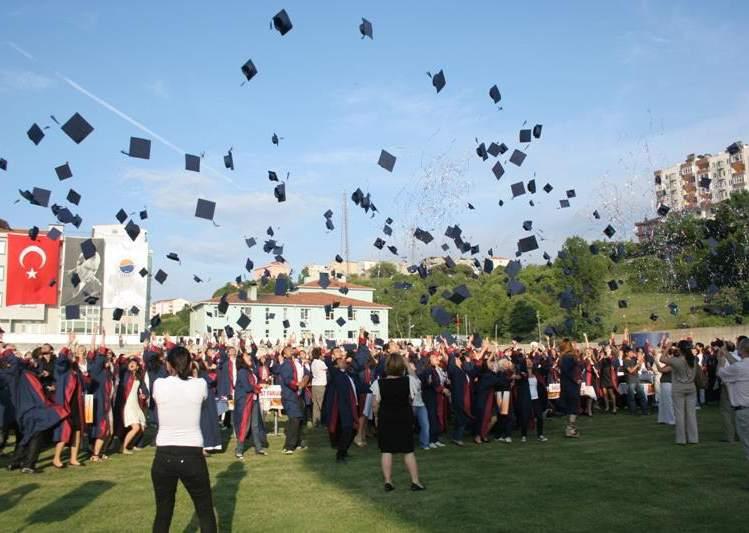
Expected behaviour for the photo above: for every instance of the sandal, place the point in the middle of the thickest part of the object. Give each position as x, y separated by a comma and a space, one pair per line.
95, 459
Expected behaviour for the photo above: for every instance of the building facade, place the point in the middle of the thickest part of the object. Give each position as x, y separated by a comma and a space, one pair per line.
701, 181
118, 277
310, 311
168, 307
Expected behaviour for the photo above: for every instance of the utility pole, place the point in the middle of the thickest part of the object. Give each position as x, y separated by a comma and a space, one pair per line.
538, 322
344, 234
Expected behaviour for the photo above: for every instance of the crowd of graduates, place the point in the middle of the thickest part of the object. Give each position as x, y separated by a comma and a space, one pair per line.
460, 392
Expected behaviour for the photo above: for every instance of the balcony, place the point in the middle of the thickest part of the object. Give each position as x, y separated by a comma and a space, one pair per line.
738, 167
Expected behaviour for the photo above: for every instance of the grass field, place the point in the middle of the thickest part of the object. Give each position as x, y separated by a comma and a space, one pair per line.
624, 474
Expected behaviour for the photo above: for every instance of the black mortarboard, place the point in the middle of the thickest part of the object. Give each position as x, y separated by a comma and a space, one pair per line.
269, 231
341, 321
387, 230
63, 172
517, 157
223, 304
143, 272
514, 287
192, 162
329, 224
375, 318
281, 287
563, 204
705, 182
338, 258
424, 299
143, 214
365, 28
250, 242
537, 130
494, 94
229, 160
40, 196
243, 321
282, 22
525, 136
140, 148
77, 128
121, 216
132, 229
117, 313
567, 299
501, 203
571, 193
280, 192
205, 209
528, 225
609, 231
173, 256
518, 189
674, 308
134, 310
75, 279
613, 285
481, 152
548, 188
488, 265
229, 331
3, 164
72, 312
249, 265
160, 276
54, 234
513, 268
393, 250
286, 324
432, 289
324, 280
663, 210
423, 236
498, 170
343, 290
596, 215
438, 81
77, 220
622, 304
445, 247
527, 244
442, 317
593, 249
35, 133
88, 249
460, 293
386, 161
653, 317
449, 263
532, 186
33, 232
493, 149
155, 321
249, 70
272, 176
73, 197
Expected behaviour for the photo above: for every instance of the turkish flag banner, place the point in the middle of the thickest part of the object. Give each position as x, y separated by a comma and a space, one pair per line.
32, 265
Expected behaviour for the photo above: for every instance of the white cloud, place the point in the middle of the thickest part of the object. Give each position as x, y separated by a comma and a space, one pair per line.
23, 80
158, 88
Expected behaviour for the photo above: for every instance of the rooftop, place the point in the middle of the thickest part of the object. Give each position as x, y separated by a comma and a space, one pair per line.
309, 299
334, 284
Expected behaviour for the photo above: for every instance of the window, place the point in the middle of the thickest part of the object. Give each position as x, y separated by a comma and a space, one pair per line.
87, 324
351, 313
267, 316
351, 334
285, 333
267, 333
129, 324
329, 314
329, 334
304, 312
285, 312
2, 272
375, 333
218, 314
247, 310
2, 247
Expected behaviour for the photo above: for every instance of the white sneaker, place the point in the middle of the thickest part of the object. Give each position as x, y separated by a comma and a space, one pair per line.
425, 448
508, 440
523, 439
541, 438
433, 446
439, 444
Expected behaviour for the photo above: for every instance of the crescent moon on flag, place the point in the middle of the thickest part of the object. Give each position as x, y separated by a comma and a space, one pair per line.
33, 250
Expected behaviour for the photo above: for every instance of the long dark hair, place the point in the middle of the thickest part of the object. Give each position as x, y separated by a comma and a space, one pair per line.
685, 349
179, 359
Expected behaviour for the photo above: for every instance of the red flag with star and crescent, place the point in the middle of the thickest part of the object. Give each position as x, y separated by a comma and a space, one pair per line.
32, 265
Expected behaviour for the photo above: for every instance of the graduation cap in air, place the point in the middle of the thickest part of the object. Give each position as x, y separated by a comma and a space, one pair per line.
192, 163
501, 203
229, 160
3, 164
481, 152
513, 268
609, 231
525, 136
196, 279
527, 244
121, 216
494, 94
548, 188
132, 229
563, 204
663, 210
77, 128
705, 182
460, 294
72, 312
387, 160
494, 149
223, 304
613, 285
75, 279
537, 130
571, 193
173, 256
33, 232
63, 172
518, 189
275, 139
673, 308
88, 249
423, 236
623, 304
338, 258
441, 316
403, 285
365, 28
205, 209
282, 286
250, 242
35, 133
77, 220
249, 265
160, 276
567, 299
54, 234
517, 157
532, 186
488, 265
282, 22
39, 196
229, 331
249, 70
341, 321
438, 80
515, 287
528, 225
139, 148
243, 321
596, 215
280, 192
498, 170
117, 313
73, 197
653, 317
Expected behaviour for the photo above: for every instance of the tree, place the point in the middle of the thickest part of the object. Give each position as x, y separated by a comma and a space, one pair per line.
176, 324
383, 269
522, 319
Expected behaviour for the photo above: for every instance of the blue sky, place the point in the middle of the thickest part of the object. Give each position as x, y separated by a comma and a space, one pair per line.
621, 88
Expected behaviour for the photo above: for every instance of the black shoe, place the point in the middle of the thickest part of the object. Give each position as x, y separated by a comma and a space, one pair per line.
415, 487
389, 487
340, 459
13, 466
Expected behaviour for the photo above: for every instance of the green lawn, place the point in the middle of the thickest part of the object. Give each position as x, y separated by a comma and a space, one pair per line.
624, 474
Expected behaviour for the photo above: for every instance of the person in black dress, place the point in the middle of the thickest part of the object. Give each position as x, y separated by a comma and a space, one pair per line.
395, 432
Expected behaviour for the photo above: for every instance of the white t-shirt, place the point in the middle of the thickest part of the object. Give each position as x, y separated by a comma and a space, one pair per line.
533, 386
319, 373
178, 403
415, 385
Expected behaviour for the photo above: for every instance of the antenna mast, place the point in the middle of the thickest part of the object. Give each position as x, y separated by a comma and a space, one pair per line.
344, 234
